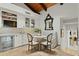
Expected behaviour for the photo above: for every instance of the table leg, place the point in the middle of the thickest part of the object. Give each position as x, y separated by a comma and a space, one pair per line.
39, 46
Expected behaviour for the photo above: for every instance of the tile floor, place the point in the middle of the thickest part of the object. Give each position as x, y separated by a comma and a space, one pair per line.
22, 51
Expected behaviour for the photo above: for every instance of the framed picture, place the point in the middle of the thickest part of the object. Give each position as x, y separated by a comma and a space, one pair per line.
49, 23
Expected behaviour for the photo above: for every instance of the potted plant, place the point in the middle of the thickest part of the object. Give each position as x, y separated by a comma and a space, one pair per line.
37, 31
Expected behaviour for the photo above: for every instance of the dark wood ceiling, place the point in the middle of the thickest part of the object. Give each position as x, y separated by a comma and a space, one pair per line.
37, 7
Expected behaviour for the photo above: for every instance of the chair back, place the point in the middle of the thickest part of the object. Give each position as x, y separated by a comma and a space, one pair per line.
49, 37
30, 38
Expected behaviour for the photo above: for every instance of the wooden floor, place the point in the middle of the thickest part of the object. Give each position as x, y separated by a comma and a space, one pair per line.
22, 51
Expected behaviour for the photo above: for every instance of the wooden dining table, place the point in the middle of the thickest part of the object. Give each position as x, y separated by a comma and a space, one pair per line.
39, 39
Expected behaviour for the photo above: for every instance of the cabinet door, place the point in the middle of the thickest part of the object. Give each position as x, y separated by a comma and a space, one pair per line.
24, 39
6, 42
18, 41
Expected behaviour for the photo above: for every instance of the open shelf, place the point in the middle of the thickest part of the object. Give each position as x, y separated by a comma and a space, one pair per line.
9, 19
8, 23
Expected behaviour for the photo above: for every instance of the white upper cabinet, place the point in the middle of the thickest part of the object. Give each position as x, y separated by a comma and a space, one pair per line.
11, 17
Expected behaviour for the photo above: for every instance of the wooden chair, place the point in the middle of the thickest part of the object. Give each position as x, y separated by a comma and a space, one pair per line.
47, 43
31, 43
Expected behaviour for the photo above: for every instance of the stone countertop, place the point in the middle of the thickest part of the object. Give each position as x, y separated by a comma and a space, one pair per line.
14, 31
12, 34
7, 34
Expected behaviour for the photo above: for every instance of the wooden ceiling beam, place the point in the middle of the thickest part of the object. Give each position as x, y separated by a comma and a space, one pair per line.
27, 4
43, 6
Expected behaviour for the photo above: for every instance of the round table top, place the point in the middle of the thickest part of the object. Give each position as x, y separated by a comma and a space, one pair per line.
39, 36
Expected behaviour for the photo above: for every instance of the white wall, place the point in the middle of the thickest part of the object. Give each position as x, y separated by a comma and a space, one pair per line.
22, 5
66, 10
69, 10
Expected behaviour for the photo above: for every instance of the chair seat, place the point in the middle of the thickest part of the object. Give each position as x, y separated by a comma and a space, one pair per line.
34, 43
45, 43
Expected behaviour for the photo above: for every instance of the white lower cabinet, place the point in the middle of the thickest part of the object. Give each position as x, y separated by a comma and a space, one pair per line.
17, 41
24, 39
6, 42
20, 39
